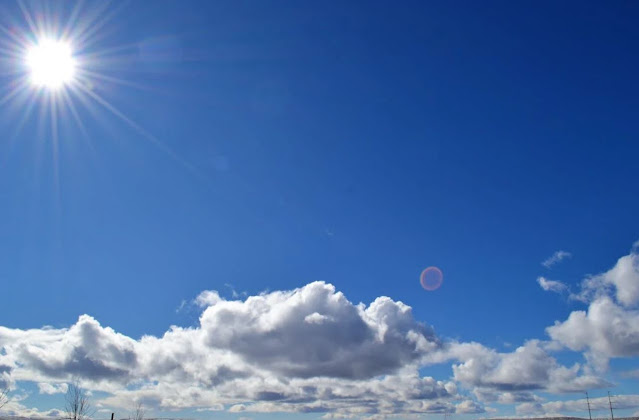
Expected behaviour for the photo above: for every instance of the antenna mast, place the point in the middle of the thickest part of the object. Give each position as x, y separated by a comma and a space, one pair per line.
610, 404
588, 402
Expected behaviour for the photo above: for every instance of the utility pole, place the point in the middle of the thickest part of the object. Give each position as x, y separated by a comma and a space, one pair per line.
588, 402
610, 404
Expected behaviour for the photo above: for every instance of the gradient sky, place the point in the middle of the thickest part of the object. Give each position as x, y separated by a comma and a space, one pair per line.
222, 185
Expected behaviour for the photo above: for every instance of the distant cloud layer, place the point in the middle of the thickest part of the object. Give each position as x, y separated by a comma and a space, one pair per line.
554, 408
312, 350
556, 258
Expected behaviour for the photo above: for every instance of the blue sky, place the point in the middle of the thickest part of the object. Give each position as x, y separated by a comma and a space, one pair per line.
260, 149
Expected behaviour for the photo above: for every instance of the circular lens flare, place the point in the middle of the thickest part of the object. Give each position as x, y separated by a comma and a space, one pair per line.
51, 63
431, 278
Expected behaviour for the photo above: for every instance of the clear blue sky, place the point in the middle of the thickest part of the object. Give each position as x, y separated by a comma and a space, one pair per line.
262, 146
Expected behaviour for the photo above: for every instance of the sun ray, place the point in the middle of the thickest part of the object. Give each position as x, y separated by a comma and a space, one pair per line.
27, 17
145, 134
88, 74
18, 88
53, 109
66, 99
95, 23
29, 105
73, 19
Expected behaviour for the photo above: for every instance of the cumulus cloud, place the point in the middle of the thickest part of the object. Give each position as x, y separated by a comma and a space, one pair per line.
621, 281
469, 407
610, 325
86, 349
304, 350
556, 258
625, 277
16, 408
316, 331
307, 349
551, 285
605, 330
208, 298
529, 368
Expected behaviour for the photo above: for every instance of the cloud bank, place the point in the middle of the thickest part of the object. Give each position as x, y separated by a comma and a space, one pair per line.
312, 350
304, 350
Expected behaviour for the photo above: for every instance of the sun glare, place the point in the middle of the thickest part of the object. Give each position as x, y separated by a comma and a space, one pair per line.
51, 63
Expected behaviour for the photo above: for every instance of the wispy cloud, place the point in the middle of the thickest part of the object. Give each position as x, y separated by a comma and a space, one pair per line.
551, 285
556, 258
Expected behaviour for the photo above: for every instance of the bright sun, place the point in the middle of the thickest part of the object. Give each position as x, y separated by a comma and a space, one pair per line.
51, 63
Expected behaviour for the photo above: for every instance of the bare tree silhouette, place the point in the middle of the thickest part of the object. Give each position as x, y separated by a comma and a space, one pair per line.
137, 413
77, 405
4, 397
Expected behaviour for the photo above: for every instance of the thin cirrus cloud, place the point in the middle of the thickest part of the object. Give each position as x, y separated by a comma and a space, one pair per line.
556, 258
312, 350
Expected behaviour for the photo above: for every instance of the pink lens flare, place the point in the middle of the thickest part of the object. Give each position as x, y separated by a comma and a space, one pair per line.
431, 278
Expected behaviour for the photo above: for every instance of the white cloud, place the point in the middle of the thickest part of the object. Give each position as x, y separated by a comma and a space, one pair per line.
631, 374
5, 375
86, 349
610, 326
351, 341
208, 298
625, 277
606, 330
304, 350
307, 349
317, 318
551, 285
557, 408
15, 408
501, 397
621, 282
528, 368
52, 388
555, 258
469, 407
